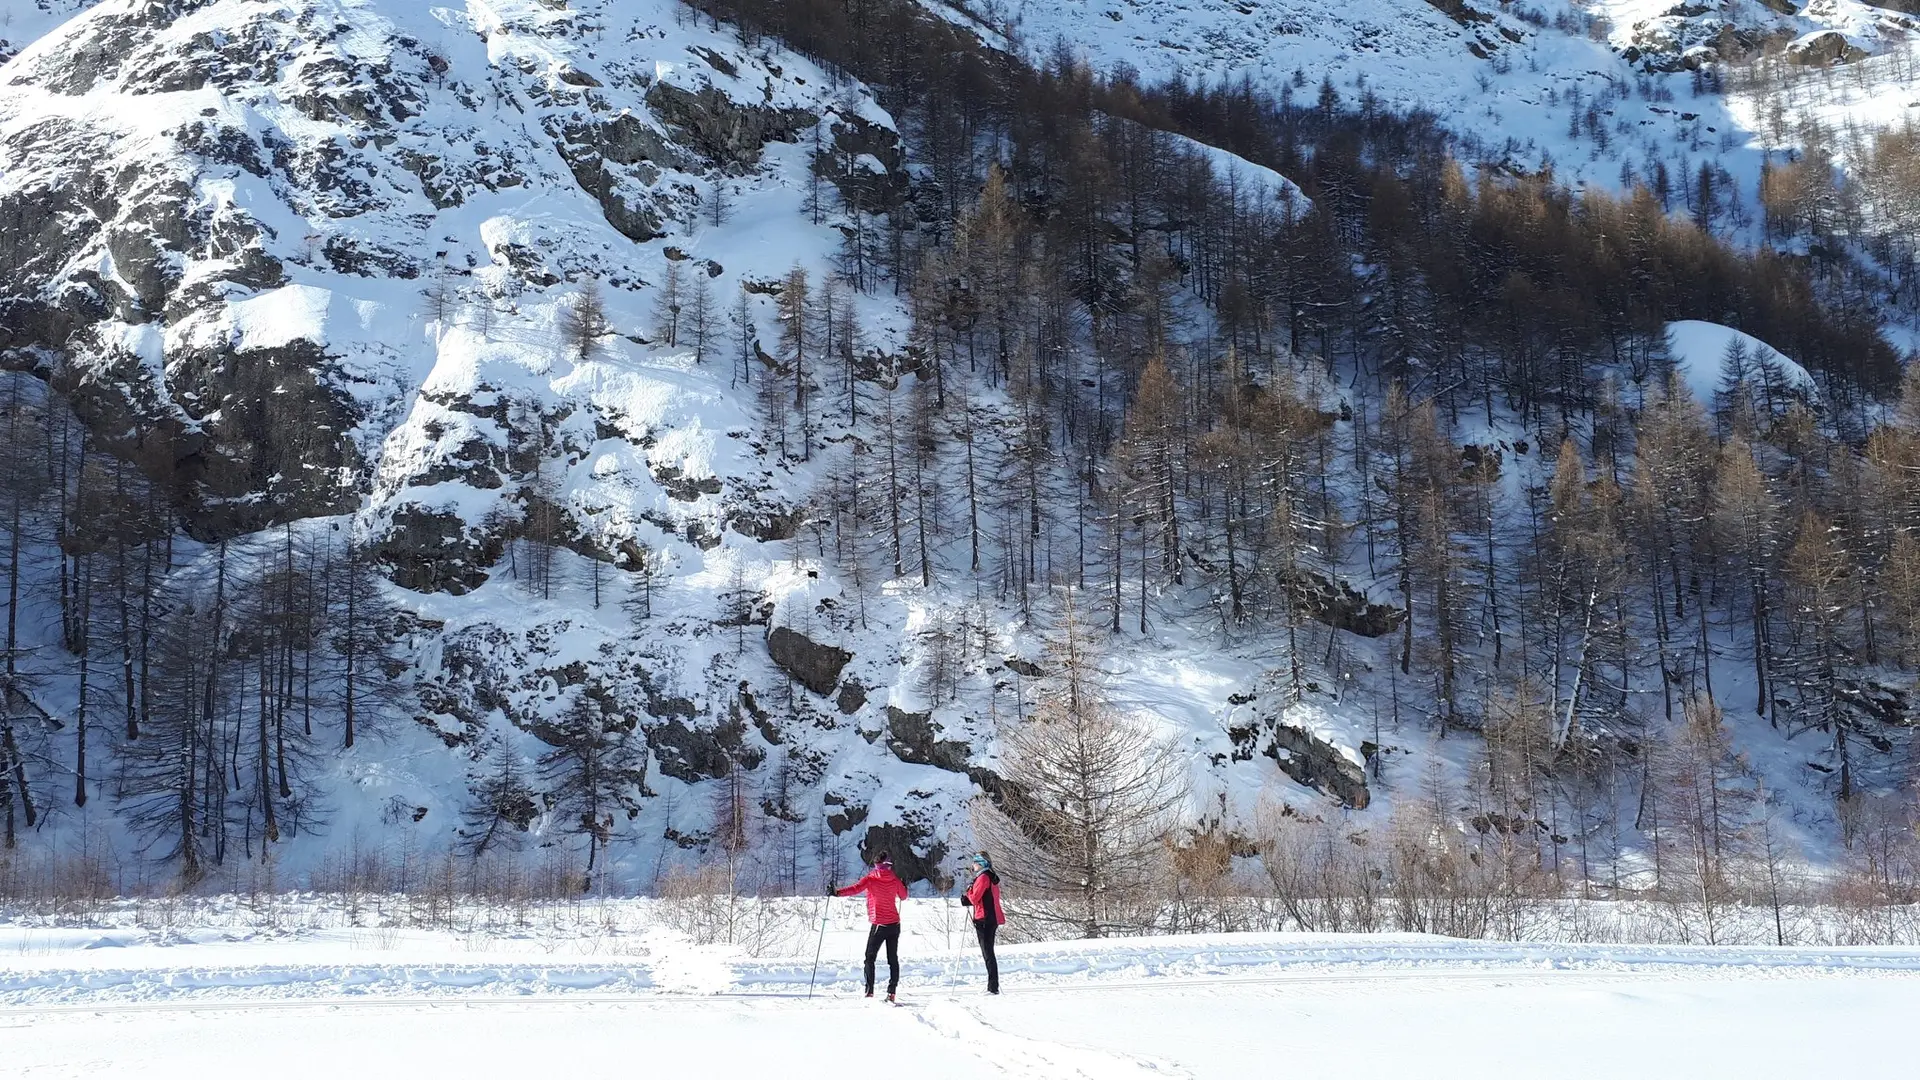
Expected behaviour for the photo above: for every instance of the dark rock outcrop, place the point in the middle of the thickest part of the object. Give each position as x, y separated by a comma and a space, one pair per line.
1343, 607
720, 128
1304, 756
1459, 11
843, 813
1824, 50
430, 550
1318, 765
681, 487
753, 515
913, 739
691, 753
816, 666
866, 163
852, 698
916, 855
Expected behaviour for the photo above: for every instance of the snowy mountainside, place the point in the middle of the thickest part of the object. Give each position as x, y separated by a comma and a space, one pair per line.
486, 298
22, 22
368, 222
322, 264
1686, 35
1514, 81
306, 157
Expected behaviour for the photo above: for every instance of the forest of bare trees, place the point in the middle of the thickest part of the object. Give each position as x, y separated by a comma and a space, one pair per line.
199, 702
1303, 422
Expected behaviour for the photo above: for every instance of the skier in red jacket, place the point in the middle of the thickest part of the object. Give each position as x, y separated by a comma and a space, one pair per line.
983, 896
884, 892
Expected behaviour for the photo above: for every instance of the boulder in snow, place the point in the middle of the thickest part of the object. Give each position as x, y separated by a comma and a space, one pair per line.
1823, 48
915, 739
816, 666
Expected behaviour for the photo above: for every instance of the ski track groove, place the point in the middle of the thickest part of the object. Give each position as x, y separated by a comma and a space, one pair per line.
939, 994
1018, 1055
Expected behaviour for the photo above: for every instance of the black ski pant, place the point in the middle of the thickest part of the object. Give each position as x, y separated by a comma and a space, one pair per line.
889, 934
984, 929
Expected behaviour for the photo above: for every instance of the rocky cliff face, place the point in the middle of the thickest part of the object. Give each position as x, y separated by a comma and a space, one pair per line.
328, 257
1692, 34
224, 216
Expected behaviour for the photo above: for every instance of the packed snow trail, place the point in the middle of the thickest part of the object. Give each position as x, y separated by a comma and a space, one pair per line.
281, 972
1431, 1024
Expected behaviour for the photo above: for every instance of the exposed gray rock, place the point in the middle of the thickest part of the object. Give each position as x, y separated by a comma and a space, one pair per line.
843, 812
691, 753
1318, 765
1824, 49
430, 550
1343, 607
853, 698
913, 739
816, 666
850, 162
751, 514
680, 486
916, 855
617, 161
720, 128
1302, 755
1461, 12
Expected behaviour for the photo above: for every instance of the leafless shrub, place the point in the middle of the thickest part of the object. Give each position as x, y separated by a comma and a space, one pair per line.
700, 903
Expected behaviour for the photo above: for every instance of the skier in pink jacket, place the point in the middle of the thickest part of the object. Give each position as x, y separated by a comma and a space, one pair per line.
983, 897
884, 893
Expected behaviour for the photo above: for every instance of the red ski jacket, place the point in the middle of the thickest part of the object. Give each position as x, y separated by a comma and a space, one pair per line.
985, 888
884, 892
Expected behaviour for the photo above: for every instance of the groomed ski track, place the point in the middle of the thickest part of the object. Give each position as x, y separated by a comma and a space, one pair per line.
1108, 966
1386, 1007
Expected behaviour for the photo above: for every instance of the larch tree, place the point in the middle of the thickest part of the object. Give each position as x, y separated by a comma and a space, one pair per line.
583, 322
1746, 534
591, 772
796, 351
1089, 799
669, 302
501, 805
1819, 653
1672, 499
1153, 445
702, 316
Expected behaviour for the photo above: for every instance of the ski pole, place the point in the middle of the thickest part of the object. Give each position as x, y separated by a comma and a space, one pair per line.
826, 910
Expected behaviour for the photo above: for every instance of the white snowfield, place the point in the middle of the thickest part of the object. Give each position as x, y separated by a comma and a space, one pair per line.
90, 1003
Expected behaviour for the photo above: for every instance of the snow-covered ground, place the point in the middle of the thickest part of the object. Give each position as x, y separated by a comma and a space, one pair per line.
179, 1001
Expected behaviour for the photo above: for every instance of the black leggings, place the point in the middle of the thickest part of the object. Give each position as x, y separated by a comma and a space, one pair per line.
984, 929
890, 934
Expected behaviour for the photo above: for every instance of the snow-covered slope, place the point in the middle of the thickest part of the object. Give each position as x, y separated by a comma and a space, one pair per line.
358, 181
1700, 352
381, 226
1818, 32
23, 22
370, 220
1586, 88
377, 224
